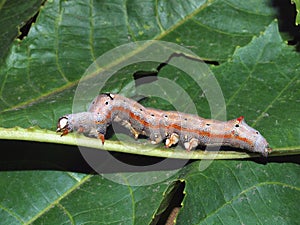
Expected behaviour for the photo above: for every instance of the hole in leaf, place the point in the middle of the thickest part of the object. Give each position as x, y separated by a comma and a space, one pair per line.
173, 199
26, 27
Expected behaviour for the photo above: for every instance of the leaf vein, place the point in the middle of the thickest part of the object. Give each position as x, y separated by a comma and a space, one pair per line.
129, 30
158, 17
221, 31
275, 99
181, 22
132, 199
91, 33
68, 192
245, 11
57, 62
67, 213
12, 213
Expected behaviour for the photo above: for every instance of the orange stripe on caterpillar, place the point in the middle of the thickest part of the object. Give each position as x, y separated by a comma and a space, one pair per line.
171, 126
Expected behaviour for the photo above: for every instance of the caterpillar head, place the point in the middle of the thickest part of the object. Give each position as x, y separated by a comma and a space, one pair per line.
63, 125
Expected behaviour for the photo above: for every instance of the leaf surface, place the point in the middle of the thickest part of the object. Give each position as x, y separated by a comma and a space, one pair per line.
297, 3
258, 74
226, 192
240, 193
13, 16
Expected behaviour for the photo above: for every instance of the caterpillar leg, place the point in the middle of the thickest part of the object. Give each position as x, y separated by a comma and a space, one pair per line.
134, 132
101, 137
172, 140
193, 143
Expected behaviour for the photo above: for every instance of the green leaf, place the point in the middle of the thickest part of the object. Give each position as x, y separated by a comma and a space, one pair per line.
69, 198
263, 85
248, 85
14, 14
68, 36
227, 191
297, 3
258, 75
240, 193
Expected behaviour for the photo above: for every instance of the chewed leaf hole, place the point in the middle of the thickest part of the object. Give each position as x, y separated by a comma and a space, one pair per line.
174, 200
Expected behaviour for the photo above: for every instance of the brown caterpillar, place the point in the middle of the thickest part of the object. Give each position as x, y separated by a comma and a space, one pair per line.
171, 126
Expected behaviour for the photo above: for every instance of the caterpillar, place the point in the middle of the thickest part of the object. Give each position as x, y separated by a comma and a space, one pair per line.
170, 126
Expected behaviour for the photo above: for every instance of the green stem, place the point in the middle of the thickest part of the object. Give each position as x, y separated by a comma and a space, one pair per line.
39, 135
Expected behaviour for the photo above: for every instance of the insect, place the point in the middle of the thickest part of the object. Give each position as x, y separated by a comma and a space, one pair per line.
169, 126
